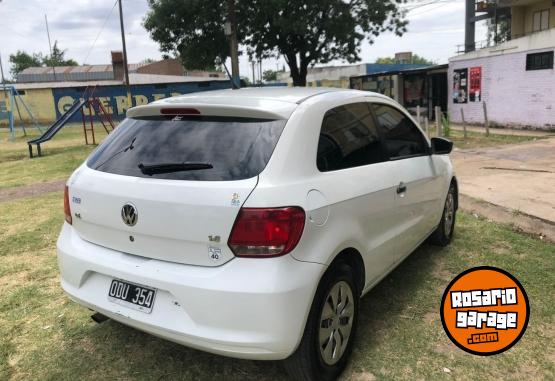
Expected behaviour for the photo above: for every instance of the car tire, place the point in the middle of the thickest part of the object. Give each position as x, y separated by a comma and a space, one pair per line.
444, 231
314, 358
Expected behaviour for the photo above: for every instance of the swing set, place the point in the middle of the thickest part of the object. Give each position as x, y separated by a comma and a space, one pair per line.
9, 105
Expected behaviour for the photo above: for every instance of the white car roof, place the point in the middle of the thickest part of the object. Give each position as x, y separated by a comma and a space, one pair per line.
265, 102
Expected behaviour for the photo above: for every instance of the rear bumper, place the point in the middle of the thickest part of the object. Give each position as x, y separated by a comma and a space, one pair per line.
246, 308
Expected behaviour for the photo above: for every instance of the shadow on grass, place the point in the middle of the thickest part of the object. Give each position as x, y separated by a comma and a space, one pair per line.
23, 153
112, 350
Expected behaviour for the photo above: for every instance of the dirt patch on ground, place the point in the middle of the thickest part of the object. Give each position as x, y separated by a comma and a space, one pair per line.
430, 317
520, 222
447, 348
10, 194
360, 376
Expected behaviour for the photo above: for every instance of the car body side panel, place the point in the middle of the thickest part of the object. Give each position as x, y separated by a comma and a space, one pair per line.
359, 202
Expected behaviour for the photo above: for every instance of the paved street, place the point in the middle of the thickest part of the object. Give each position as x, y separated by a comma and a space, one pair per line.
518, 177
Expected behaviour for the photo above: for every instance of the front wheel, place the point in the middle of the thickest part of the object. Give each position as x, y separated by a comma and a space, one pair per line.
328, 337
444, 231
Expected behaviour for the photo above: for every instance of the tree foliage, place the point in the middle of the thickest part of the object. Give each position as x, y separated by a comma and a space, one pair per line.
269, 75
57, 58
305, 33
416, 59
23, 60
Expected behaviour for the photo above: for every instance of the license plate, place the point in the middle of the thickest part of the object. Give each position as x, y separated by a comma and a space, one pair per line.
131, 295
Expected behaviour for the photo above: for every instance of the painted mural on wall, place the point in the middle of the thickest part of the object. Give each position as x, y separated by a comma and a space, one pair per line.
460, 86
114, 98
475, 94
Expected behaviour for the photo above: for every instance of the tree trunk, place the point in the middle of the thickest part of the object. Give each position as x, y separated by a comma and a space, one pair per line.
298, 80
298, 75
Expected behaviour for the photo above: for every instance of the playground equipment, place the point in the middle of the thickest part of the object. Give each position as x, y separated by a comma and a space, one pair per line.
105, 119
7, 109
94, 107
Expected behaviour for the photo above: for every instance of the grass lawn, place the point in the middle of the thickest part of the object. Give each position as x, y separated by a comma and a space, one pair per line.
479, 140
65, 152
45, 336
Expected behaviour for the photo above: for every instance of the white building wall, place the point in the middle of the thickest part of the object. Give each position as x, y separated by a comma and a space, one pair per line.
327, 73
514, 97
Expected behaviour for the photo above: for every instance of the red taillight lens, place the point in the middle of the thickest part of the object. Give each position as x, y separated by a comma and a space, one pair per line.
67, 210
179, 111
266, 232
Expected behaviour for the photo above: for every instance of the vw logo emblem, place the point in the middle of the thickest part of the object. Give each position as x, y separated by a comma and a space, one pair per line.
129, 214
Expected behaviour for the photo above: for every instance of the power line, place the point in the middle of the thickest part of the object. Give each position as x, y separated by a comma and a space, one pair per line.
99, 32
425, 3
440, 4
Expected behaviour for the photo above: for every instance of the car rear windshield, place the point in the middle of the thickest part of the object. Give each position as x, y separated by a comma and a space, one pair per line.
234, 148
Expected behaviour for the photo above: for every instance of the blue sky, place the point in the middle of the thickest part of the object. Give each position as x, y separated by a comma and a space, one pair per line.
434, 31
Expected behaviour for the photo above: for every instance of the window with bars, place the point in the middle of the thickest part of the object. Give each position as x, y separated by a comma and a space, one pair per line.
539, 61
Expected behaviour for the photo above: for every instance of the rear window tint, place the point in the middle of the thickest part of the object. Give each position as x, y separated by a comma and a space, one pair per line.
237, 148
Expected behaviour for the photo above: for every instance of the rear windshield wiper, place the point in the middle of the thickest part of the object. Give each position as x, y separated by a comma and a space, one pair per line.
151, 169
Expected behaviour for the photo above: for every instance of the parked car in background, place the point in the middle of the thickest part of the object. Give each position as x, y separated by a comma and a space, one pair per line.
248, 223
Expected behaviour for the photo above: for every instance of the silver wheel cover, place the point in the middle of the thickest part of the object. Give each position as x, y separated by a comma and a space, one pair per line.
336, 322
449, 214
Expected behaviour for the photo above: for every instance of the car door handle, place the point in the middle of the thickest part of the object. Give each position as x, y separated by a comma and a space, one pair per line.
401, 188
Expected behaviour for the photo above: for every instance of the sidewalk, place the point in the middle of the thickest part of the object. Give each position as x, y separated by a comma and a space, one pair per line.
503, 131
518, 178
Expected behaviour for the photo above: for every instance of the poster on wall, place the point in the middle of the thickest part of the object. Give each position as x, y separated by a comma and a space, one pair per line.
475, 94
460, 93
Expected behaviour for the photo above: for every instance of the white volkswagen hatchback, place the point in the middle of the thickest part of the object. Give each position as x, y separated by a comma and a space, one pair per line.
248, 223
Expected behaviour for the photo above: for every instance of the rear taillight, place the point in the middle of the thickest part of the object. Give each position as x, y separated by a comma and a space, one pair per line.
266, 232
67, 210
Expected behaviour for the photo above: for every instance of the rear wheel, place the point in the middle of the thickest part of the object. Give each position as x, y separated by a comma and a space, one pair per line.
328, 337
444, 232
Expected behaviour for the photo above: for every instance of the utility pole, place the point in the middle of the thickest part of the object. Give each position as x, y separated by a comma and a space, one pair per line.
234, 47
470, 26
125, 67
2, 72
50, 46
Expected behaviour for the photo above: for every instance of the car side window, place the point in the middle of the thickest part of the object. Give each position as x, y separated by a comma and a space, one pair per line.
348, 138
401, 137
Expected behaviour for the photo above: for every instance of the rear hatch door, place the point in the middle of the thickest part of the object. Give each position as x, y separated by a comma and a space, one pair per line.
170, 187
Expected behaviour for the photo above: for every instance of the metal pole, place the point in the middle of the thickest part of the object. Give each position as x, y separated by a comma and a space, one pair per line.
2, 71
50, 47
125, 68
234, 47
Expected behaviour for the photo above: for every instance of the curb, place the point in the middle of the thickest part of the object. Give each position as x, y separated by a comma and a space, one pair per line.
519, 221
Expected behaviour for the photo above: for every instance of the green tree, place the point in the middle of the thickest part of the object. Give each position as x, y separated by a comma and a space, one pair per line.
147, 61
305, 33
57, 58
22, 60
416, 59
269, 75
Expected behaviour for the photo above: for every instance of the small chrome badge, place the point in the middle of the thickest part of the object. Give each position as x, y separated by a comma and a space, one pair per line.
214, 238
129, 214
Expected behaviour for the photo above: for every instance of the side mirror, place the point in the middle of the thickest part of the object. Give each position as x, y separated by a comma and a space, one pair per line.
441, 146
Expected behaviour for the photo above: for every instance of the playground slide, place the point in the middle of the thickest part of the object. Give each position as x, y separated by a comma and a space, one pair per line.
54, 128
